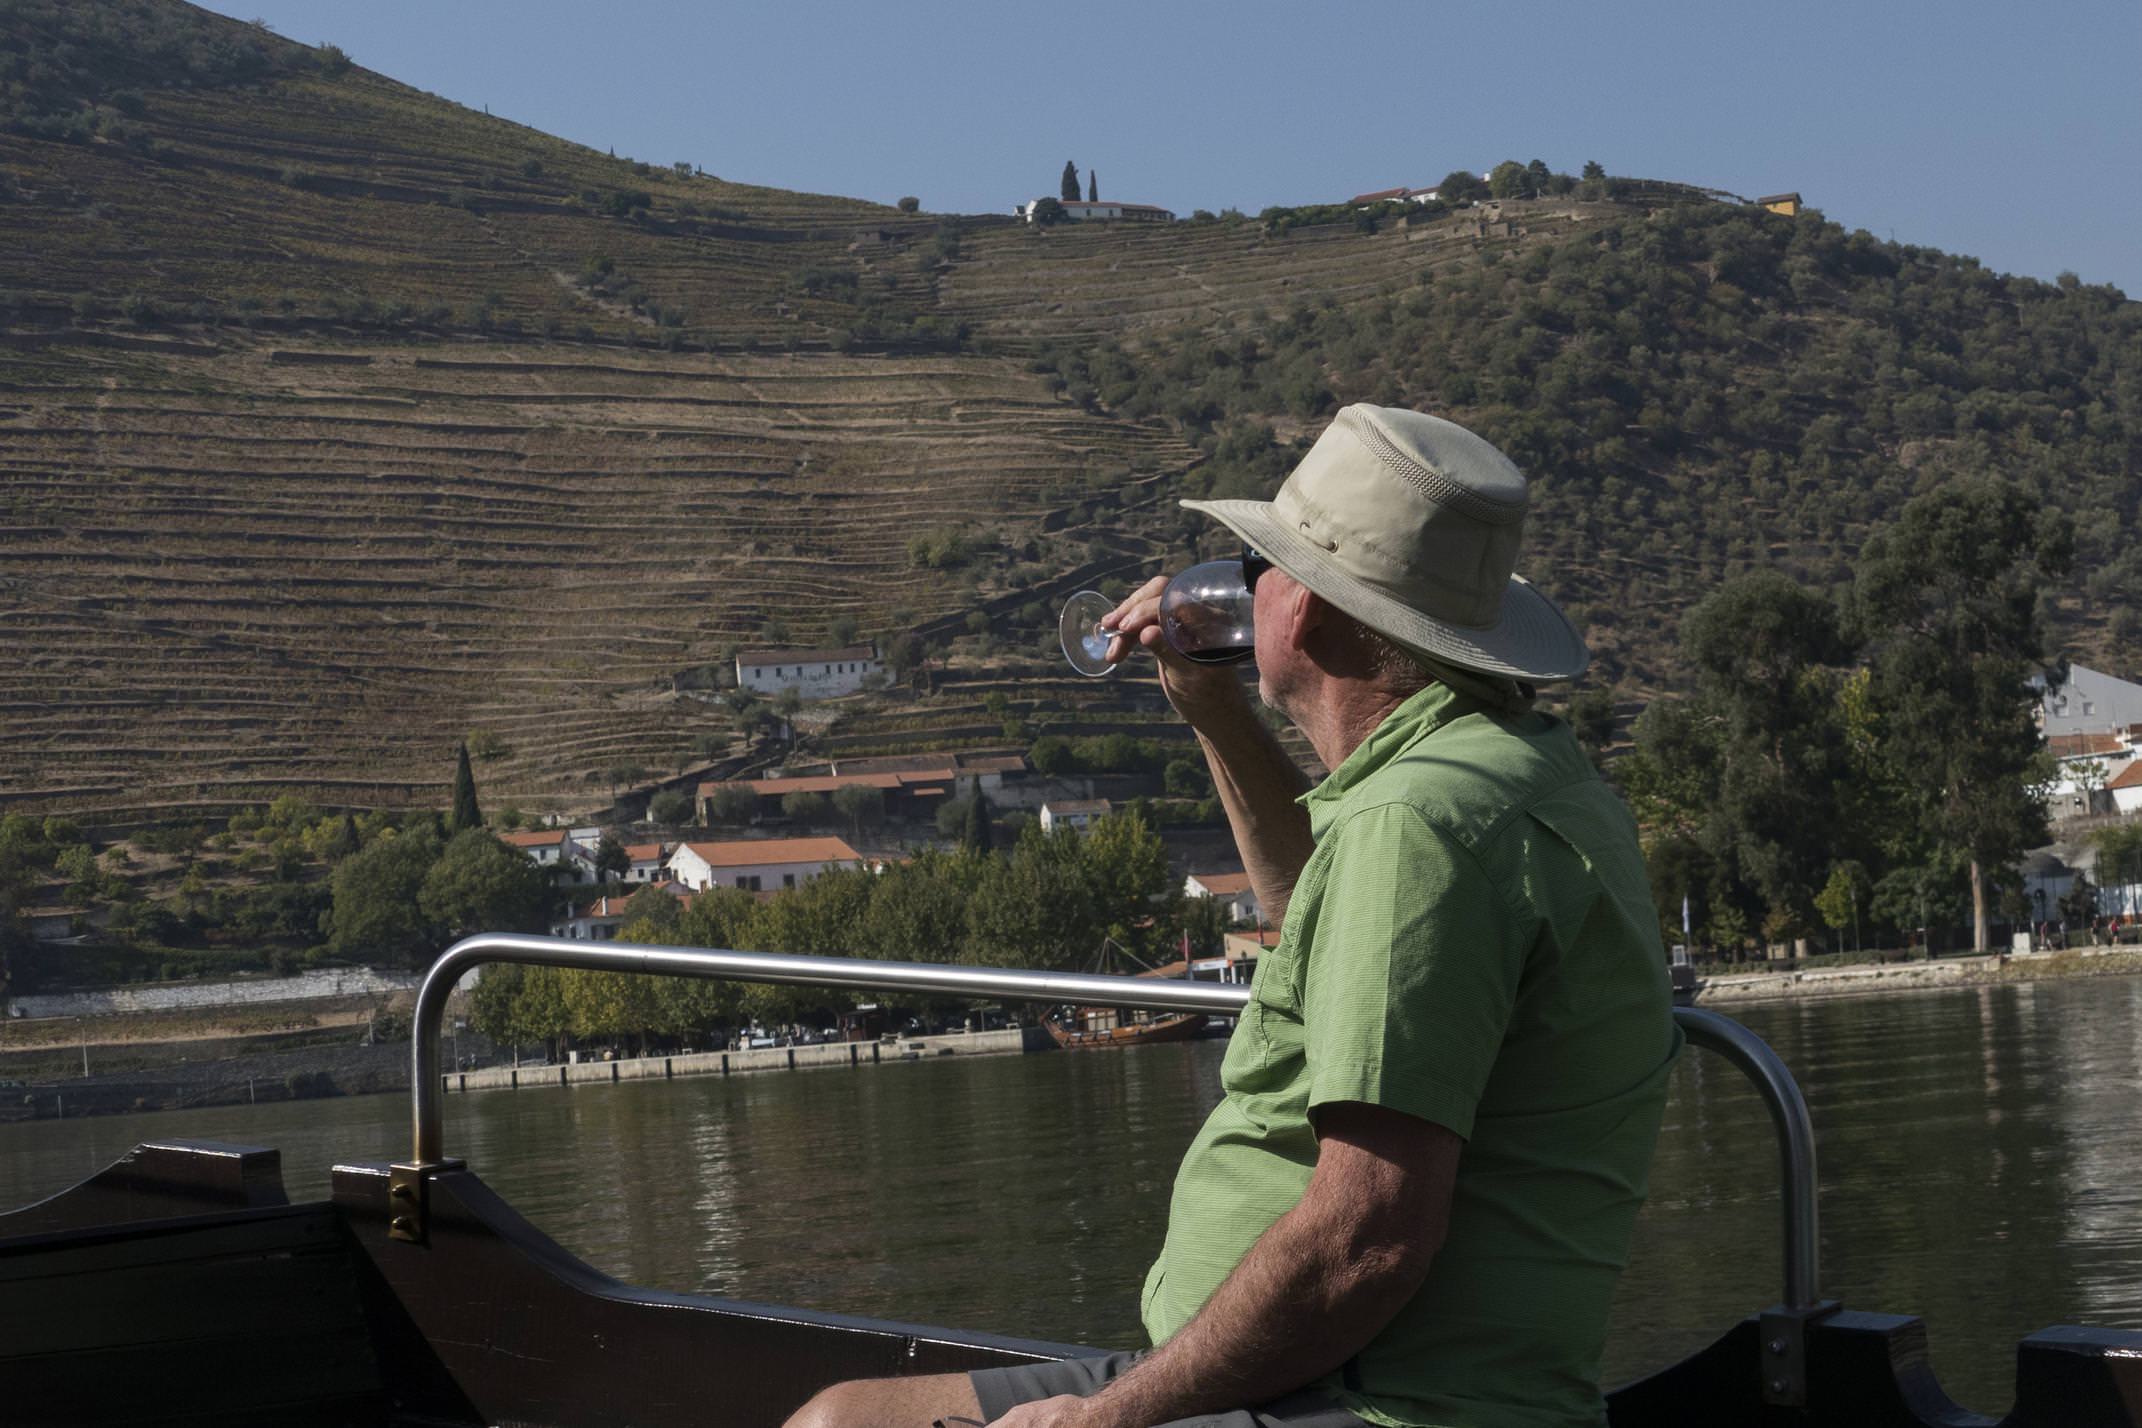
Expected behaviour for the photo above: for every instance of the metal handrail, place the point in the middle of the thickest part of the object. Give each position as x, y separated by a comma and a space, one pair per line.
1742, 1047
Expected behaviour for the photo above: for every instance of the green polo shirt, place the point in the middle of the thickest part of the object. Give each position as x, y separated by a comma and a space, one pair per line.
1472, 942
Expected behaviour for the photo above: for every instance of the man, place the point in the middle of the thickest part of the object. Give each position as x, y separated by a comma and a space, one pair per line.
1412, 1203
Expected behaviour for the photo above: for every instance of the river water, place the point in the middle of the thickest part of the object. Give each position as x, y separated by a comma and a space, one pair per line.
1981, 1165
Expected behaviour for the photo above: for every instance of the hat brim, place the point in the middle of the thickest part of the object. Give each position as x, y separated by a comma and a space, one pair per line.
1532, 639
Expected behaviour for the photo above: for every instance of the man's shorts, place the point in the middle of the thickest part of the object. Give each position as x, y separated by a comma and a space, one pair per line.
1000, 1390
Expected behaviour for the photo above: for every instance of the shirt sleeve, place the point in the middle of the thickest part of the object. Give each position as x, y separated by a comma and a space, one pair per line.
1410, 972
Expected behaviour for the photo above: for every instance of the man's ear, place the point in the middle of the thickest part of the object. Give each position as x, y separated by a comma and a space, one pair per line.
1308, 616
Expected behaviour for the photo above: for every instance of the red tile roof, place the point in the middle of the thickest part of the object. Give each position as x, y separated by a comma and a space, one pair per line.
1378, 196
1223, 884
752, 852
2129, 777
2080, 746
543, 838
752, 658
646, 852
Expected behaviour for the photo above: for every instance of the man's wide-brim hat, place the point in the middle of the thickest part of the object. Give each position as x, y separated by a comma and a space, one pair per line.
1411, 524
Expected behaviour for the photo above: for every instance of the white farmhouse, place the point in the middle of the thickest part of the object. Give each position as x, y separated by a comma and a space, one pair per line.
1073, 813
1105, 211
647, 862
555, 848
1231, 890
600, 920
759, 864
815, 674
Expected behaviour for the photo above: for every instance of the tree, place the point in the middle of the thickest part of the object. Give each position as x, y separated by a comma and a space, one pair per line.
732, 803
974, 833
376, 915
1591, 719
910, 204
1592, 171
1748, 768
1508, 180
859, 804
1093, 185
1839, 900
1947, 599
803, 807
479, 884
670, 807
1069, 186
611, 857
2119, 858
1461, 186
465, 814
1048, 211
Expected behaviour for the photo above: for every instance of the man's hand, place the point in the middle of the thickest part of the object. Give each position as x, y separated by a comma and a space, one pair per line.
1066, 1410
1201, 693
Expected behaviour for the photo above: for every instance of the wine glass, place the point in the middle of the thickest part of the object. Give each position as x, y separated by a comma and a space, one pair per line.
1204, 616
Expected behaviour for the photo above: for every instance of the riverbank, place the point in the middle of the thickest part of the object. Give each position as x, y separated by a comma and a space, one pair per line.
1725, 993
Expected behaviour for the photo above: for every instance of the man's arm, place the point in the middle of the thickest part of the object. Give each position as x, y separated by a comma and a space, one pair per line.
1256, 782
1314, 1288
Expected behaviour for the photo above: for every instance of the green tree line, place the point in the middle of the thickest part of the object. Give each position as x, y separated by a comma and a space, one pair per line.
1049, 901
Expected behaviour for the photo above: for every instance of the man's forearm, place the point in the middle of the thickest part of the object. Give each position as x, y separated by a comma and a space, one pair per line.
1306, 1298
1257, 785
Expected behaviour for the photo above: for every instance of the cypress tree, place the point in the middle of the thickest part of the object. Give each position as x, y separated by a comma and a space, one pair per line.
1070, 183
1093, 185
465, 814
975, 834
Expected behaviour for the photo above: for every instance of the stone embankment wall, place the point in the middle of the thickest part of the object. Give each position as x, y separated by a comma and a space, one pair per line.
306, 986
1723, 992
727, 1063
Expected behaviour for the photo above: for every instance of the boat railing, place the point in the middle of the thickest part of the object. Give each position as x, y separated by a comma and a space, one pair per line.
1742, 1047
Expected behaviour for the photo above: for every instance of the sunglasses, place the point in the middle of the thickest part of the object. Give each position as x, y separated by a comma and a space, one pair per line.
1253, 565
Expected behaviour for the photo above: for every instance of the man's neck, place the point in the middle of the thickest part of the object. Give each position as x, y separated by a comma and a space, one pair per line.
1341, 714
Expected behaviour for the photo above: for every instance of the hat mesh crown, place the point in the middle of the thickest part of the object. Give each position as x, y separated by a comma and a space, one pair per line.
1427, 480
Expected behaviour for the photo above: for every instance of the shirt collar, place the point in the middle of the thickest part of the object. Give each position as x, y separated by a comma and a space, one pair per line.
1419, 716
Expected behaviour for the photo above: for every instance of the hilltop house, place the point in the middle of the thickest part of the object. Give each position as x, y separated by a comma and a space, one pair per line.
1394, 195
1785, 203
556, 848
759, 865
1104, 211
815, 674
1231, 890
1073, 813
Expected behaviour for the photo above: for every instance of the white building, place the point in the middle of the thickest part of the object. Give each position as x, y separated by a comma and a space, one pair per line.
647, 862
759, 864
2090, 702
601, 919
2126, 788
556, 848
1232, 890
1104, 211
815, 674
1073, 813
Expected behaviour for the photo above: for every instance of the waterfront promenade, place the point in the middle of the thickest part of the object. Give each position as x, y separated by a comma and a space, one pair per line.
735, 1063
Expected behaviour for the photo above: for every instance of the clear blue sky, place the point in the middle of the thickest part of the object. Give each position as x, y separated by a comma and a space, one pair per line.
2013, 133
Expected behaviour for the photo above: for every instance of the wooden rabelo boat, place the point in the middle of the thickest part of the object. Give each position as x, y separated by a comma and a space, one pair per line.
1087, 1028
180, 1286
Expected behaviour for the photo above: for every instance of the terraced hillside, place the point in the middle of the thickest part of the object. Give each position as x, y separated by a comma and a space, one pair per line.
338, 422
228, 571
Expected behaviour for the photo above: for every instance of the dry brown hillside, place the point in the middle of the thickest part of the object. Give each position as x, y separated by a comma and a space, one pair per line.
338, 421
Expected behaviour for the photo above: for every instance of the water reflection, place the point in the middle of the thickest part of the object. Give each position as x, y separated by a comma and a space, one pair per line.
1981, 1165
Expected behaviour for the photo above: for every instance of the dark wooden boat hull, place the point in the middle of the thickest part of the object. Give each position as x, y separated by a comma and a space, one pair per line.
179, 1287
1174, 1028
